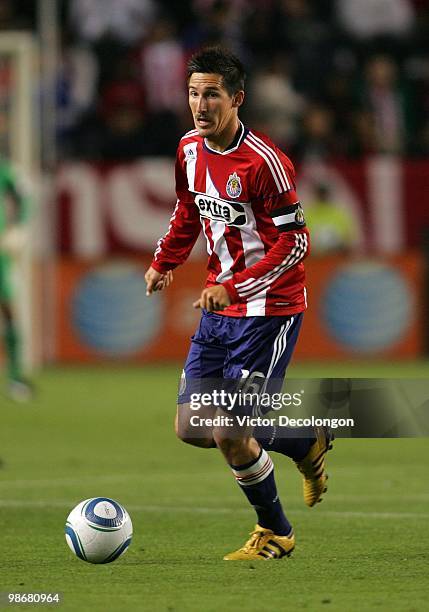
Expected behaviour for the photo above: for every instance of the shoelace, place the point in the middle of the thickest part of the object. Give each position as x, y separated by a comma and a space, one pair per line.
255, 539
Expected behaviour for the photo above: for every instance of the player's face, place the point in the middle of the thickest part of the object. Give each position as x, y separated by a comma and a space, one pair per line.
213, 109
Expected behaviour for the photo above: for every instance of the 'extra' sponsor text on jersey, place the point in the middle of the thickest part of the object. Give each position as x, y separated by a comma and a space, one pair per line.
231, 213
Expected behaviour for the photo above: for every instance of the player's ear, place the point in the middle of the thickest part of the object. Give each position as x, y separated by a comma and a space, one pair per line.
238, 99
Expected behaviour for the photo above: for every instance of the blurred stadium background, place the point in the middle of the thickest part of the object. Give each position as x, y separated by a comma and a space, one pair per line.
92, 103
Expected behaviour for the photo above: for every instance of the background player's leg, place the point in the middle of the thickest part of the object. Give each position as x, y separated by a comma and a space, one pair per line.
11, 336
12, 344
19, 389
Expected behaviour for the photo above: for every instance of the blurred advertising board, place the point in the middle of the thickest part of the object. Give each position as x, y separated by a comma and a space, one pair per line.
358, 308
110, 209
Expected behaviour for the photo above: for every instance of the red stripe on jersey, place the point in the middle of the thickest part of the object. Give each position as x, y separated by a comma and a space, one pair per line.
213, 266
235, 247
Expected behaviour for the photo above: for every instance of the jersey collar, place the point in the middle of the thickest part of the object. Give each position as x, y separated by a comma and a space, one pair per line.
238, 139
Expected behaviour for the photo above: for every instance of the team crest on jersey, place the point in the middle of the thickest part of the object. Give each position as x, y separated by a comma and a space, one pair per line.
233, 186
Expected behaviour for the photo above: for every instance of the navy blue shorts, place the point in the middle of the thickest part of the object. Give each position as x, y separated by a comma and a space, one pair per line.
251, 349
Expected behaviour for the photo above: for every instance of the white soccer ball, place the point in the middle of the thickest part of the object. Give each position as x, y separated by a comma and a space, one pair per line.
99, 530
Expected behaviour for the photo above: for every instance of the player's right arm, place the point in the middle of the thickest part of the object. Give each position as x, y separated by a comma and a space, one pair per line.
175, 246
274, 185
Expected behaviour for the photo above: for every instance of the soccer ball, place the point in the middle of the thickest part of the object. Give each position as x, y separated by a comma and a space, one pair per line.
99, 530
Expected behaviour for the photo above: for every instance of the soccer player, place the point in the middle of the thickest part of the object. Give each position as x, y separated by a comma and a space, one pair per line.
13, 216
239, 187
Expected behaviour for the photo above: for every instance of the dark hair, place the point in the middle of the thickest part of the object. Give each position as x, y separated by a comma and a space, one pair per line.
216, 60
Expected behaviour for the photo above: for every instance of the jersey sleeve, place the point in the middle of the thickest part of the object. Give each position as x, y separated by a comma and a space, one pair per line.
175, 246
275, 185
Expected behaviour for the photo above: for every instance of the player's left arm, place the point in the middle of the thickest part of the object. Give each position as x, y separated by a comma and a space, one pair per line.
289, 250
292, 244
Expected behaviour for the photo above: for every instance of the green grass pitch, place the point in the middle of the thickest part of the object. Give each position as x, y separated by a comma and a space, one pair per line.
109, 432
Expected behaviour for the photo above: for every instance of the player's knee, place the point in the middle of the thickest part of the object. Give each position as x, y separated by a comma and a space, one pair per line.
180, 430
225, 442
187, 434
233, 447
230, 450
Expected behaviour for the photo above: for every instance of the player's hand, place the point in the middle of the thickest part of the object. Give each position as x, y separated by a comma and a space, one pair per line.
155, 281
213, 298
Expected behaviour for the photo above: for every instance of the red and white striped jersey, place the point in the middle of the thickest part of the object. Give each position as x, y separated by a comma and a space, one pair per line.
244, 199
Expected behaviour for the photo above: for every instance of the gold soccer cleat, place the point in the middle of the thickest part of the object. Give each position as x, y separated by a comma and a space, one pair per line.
312, 467
263, 545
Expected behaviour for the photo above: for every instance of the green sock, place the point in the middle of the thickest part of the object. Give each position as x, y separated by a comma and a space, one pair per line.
13, 351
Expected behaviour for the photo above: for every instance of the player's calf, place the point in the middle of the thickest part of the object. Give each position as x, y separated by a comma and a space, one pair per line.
254, 472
